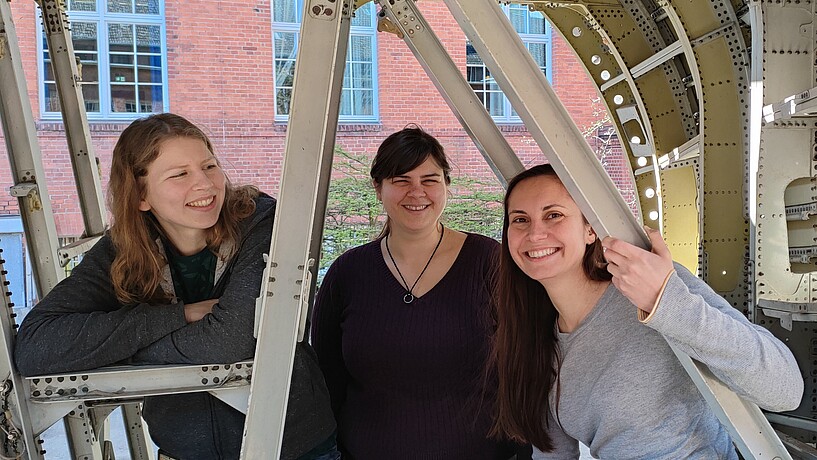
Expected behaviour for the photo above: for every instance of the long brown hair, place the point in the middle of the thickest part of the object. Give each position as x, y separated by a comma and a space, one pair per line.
525, 347
136, 272
403, 151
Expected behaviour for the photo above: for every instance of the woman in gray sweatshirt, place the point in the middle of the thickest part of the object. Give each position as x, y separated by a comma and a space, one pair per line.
175, 281
582, 349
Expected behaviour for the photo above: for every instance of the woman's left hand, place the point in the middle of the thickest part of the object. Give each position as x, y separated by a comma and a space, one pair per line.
637, 273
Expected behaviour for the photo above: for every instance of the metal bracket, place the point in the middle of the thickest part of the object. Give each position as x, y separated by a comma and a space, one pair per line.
306, 282
787, 319
801, 211
798, 105
384, 24
29, 191
802, 254
69, 251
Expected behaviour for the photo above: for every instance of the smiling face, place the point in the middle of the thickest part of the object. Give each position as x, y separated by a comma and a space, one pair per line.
547, 234
414, 200
184, 189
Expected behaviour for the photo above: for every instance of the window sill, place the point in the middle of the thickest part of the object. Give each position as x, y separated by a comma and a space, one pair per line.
343, 127
93, 125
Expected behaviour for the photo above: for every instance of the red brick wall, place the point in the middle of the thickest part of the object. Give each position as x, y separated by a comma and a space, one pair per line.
220, 77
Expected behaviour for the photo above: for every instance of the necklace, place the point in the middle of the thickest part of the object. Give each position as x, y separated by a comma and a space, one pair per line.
409, 297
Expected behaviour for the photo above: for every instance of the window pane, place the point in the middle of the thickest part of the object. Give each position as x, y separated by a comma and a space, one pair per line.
285, 45
83, 36
536, 23
362, 76
149, 61
90, 93
495, 103
120, 73
48, 72
538, 51
120, 6
347, 76
360, 48
471, 56
82, 5
363, 15
148, 75
150, 99
284, 73
150, 69
364, 103
120, 37
518, 16
51, 98
121, 68
490, 83
147, 6
346, 102
123, 98
90, 72
148, 39
285, 11
282, 98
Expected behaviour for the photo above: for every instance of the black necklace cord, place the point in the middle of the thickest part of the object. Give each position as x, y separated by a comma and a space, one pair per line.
409, 297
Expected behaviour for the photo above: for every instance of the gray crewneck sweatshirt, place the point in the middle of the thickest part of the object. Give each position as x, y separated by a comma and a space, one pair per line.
625, 395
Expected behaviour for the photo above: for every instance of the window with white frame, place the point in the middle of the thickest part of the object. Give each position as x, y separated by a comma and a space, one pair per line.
359, 98
535, 33
123, 57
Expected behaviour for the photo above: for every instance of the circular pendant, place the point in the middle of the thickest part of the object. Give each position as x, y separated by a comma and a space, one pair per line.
408, 298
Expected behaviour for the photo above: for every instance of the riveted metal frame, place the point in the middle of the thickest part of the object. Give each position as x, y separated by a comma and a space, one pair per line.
72, 106
720, 54
784, 168
310, 142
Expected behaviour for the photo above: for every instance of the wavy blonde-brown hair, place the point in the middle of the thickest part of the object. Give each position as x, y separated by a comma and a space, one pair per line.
136, 272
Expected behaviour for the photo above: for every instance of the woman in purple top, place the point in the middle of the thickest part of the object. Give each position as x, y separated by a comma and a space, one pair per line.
401, 324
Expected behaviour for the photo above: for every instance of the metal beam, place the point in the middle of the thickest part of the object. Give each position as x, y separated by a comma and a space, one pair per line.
310, 144
139, 443
646, 65
135, 382
410, 25
25, 158
500, 47
72, 105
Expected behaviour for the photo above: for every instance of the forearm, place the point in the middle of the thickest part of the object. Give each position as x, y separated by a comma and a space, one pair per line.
50, 342
221, 337
747, 357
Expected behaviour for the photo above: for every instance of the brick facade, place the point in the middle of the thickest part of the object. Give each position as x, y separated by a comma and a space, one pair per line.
221, 77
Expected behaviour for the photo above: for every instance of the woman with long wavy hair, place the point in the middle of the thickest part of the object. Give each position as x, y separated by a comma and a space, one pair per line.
175, 281
581, 348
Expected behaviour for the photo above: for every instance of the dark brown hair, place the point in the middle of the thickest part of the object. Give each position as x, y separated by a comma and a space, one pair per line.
525, 346
136, 271
403, 151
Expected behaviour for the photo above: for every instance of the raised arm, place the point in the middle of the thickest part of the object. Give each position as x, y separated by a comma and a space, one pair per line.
81, 325
689, 314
